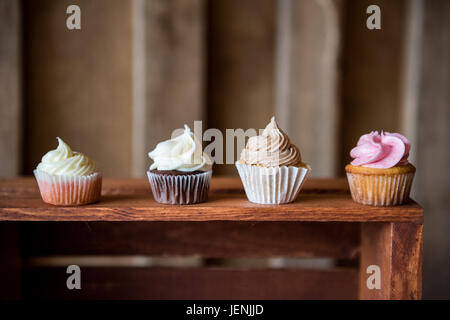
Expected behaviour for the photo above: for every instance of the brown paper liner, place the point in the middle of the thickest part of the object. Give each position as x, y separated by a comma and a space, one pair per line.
63, 190
180, 189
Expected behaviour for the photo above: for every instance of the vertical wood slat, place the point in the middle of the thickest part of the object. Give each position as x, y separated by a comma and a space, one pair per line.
411, 73
433, 139
241, 37
372, 63
396, 248
307, 64
10, 88
78, 82
168, 72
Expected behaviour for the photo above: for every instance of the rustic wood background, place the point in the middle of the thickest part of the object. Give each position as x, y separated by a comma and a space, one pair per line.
139, 69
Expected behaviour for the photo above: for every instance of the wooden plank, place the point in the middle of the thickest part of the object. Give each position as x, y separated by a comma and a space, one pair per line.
193, 283
372, 62
397, 249
229, 205
10, 88
171, 93
406, 277
78, 82
432, 183
307, 103
206, 239
240, 73
376, 247
27, 186
10, 261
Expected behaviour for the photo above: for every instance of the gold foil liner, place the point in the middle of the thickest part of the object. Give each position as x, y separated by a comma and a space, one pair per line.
180, 189
274, 185
63, 190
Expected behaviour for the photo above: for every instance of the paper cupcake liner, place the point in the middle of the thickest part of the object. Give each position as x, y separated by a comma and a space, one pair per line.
274, 185
380, 190
63, 190
180, 189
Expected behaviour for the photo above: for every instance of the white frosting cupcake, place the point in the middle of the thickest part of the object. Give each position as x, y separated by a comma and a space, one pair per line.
181, 172
66, 177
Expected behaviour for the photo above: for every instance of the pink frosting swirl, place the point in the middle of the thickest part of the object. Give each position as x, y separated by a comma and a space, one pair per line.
381, 151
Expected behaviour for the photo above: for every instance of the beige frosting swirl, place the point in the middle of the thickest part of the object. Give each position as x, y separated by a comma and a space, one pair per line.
271, 149
64, 161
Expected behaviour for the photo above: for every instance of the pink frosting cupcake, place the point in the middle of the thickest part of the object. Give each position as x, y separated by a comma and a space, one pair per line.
68, 178
380, 174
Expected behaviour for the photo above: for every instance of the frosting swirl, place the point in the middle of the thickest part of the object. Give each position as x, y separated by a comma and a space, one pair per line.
381, 151
271, 149
183, 153
64, 161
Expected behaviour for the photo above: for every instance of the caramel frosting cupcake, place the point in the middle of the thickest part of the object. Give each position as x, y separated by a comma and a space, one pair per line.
66, 177
380, 174
272, 148
271, 167
181, 172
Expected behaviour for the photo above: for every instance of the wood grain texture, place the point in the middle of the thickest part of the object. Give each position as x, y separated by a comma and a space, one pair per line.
174, 67
397, 249
307, 93
223, 204
371, 81
219, 239
78, 82
376, 248
432, 183
10, 88
240, 74
192, 283
407, 246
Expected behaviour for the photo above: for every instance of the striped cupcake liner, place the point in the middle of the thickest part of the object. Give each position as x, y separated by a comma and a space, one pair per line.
63, 190
275, 185
380, 190
180, 189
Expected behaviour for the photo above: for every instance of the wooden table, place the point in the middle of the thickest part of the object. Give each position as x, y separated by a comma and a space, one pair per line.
323, 222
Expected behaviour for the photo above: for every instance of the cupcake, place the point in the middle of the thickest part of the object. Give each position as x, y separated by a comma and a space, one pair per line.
380, 174
271, 168
181, 172
68, 178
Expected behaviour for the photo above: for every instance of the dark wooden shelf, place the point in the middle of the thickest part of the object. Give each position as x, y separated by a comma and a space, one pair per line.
131, 200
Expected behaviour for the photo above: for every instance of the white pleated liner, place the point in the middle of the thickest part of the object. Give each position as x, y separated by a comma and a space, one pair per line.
380, 190
180, 189
274, 185
69, 190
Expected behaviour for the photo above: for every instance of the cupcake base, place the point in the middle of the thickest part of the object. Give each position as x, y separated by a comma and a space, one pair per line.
63, 190
380, 187
274, 185
179, 187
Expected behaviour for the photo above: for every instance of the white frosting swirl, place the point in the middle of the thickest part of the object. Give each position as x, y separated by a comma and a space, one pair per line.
183, 153
64, 161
